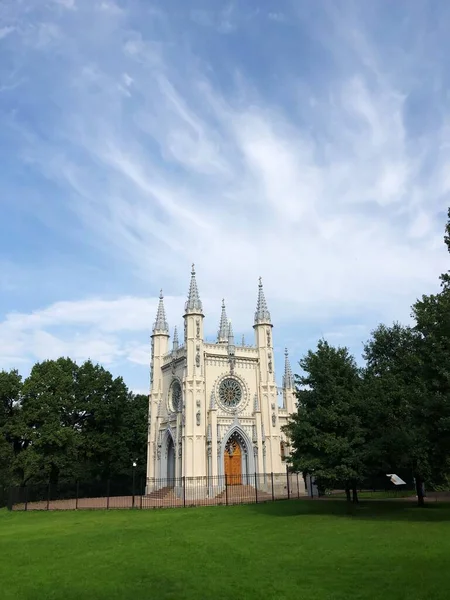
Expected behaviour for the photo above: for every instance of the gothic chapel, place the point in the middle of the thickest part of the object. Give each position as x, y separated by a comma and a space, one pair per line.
214, 411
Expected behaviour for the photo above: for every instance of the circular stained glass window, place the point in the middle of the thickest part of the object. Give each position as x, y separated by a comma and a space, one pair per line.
176, 396
230, 392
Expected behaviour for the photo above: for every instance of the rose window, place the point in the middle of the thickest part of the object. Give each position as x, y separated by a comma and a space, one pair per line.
230, 393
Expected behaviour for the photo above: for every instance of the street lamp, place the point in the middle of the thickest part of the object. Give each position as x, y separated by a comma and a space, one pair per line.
134, 477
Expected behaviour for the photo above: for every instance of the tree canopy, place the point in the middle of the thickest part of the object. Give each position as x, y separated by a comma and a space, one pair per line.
69, 421
394, 413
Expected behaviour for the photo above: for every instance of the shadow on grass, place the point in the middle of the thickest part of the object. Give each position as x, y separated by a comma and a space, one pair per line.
366, 510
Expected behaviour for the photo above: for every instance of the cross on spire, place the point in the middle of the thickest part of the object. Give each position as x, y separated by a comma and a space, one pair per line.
193, 303
161, 325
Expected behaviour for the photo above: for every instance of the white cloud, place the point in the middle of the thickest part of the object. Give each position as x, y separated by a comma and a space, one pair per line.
4, 31
69, 4
167, 153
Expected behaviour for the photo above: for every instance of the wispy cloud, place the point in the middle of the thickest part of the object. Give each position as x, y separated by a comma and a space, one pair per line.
308, 147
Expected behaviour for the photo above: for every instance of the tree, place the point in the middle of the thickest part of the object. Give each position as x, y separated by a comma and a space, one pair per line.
327, 433
79, 422
432, 317
395, 394
50, 419
136, 429
10, 442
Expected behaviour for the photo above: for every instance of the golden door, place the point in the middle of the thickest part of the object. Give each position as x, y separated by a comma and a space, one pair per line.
233, 463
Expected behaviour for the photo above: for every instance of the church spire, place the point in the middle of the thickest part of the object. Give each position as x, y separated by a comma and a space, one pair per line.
222, 334
288, 378
262, 314
160, 326
193, 303
175, 339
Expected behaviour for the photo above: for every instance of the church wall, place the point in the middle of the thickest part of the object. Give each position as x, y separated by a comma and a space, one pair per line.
201, 427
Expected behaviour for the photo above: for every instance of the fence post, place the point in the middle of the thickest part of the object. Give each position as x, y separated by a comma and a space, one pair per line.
76, 495
26, 497
48, 495
10, 498
184, 491
256, 488
298, 489
107, 493
287, 480
226, 491
140, 494
273, 492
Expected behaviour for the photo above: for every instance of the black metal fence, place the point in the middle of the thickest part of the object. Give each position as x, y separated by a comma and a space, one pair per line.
158, 493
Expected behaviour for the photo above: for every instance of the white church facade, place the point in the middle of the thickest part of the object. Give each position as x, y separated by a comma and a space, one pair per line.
214, 413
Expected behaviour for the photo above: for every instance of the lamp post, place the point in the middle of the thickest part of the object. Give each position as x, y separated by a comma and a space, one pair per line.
134, 478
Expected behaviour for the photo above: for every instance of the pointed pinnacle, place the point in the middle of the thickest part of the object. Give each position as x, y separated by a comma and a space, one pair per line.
193, 303
175, 339
161, 325
288, 378
262, 314
222, 334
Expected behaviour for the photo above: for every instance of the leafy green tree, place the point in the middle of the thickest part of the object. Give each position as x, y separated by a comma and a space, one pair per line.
10, 441
79, 422
327, 433
136, 428
49, 416
394, 394
432, 317
103, 403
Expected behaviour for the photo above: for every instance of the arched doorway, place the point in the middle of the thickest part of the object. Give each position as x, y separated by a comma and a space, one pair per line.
233, 462
170, 462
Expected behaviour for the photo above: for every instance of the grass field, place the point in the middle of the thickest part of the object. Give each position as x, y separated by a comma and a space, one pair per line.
283, 550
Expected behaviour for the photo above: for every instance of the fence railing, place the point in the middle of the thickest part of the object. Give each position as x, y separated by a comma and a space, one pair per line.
158, 493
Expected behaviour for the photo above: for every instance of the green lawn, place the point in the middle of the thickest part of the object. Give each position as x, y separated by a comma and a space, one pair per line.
380, 495
285, 550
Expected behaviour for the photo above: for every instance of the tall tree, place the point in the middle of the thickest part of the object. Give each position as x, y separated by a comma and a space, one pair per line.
432, 317
394, 391
136, 429
327, 433
49, 416
78, 422
10, 441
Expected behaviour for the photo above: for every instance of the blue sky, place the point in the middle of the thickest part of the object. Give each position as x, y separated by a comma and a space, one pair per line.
306, 142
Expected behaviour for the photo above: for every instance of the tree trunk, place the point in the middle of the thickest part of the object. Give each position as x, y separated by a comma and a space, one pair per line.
419, 492
355, 495
347, 493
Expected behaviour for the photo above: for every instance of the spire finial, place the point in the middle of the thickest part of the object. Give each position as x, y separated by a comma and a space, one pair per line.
175, 339
161, 325
193, 304
262, 314
222, 334
288, 378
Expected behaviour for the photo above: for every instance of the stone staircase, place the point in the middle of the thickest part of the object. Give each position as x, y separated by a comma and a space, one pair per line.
236, 494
